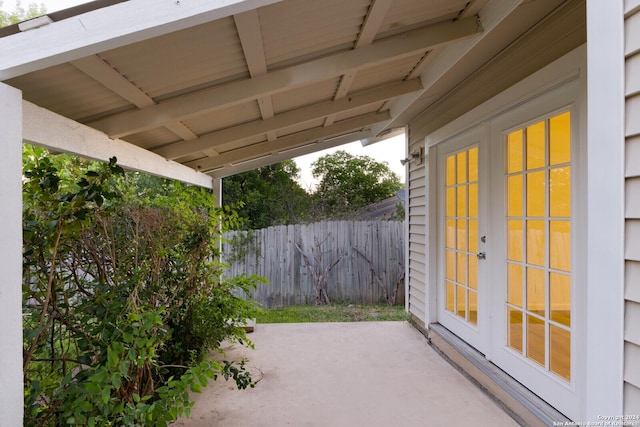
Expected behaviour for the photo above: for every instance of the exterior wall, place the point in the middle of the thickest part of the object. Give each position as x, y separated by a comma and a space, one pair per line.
11, 257
562, 32
632, 209
416, 207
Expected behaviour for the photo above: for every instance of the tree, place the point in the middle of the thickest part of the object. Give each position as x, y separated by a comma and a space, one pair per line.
349, 182
21, 14
269, 195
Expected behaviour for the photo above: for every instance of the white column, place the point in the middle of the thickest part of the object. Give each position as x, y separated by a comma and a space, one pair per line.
217, 190
11, 401
605, 209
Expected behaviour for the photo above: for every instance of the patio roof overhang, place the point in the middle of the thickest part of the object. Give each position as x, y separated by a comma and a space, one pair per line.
195, 90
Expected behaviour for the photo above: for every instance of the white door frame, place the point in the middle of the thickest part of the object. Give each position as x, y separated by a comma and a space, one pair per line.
598, 395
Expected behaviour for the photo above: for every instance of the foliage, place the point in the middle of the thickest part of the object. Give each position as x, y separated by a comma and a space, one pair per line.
349, 183
123, 296
332, 313
269, 195
21, 14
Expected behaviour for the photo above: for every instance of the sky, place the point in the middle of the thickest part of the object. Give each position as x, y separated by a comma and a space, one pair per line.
390, 151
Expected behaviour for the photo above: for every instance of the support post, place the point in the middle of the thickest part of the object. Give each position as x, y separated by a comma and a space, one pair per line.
11, 400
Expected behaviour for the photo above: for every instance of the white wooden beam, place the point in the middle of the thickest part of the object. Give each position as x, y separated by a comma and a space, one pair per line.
300, 151
11, 391
286, 142
604, 330
51, 130
372, 22
491, 14
238, 92
288, 119
94, 67
109, 28
248, 27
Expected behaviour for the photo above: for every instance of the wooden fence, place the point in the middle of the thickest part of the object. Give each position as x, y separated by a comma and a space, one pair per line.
370, 266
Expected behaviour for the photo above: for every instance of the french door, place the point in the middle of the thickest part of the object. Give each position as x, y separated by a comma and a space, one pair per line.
506, 245
462, 238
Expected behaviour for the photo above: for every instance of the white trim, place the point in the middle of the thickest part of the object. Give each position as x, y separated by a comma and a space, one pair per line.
569, 71
543, 81
407, 179
48, 129
109, 28
605, 189
11, 392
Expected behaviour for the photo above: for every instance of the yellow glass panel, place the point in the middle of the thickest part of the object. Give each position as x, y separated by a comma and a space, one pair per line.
462, 234
535, 242
451, 201
560, 191
560, 298
514, 195
514, 240
451, 170
560, 139
450, 234
473, 164
536, 291
560, 245
450, 264
450, 302
514, 332
461, 301
514, 151
461, 269
473, 307
473, 235
473, 272
560, 352
535, 146
461, 167
535, 194
536, 339
462, 201
514, 284
473, 200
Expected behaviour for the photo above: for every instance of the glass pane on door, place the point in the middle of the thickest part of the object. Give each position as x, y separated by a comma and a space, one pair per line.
461, 234
538, 242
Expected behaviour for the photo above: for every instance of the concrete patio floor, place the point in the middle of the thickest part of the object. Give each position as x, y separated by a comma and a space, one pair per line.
344, 374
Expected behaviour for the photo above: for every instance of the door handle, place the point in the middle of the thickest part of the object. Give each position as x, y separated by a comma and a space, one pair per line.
481, 255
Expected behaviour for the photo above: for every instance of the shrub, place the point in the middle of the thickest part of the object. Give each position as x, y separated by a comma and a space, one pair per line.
123, 294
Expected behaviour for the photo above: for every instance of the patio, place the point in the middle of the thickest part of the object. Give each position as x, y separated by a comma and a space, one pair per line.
345, 374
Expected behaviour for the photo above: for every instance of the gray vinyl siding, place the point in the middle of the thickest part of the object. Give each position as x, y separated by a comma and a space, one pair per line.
632, 209
417, 233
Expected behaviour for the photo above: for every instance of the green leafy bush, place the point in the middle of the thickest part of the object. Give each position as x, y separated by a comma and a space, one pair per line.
123, 294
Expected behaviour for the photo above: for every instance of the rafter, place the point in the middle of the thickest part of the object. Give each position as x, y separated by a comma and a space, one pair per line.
96, 68
109, 28
227, 170
288, 119
248, 27
372, 23
287, 142
238, 92
491, 14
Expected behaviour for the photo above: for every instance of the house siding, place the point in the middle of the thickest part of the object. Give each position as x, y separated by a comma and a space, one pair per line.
631, 385
417, 233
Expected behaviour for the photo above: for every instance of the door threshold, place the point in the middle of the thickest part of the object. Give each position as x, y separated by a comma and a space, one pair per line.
520, 403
